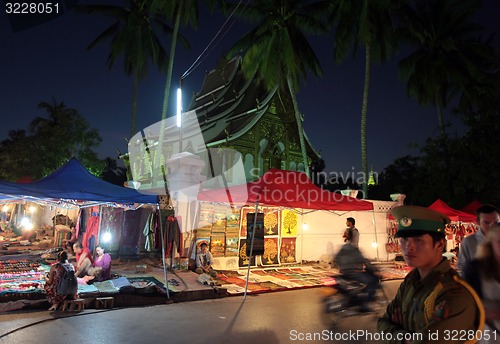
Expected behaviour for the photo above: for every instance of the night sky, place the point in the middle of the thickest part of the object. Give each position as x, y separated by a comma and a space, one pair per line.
51, 60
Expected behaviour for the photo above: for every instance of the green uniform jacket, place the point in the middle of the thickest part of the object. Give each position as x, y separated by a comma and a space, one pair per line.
439, 308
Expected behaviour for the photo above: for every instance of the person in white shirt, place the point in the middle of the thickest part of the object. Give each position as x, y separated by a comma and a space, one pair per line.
487, 216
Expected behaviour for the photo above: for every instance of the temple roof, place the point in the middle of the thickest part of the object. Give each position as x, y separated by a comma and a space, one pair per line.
228, 105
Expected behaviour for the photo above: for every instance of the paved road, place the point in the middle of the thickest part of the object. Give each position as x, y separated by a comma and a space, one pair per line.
280, 317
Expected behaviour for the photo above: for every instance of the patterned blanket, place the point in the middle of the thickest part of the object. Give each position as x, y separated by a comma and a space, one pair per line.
274, 279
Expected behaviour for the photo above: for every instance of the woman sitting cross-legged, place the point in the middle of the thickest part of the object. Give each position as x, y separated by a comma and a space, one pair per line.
102, 265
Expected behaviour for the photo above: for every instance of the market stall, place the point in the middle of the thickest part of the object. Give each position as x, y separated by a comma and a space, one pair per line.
288, 202
462, 224
70, 187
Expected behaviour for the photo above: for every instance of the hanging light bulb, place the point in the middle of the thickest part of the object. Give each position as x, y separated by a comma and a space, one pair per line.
106, 237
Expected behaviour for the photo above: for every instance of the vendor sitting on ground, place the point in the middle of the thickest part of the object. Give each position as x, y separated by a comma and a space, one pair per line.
204, 261
102, 264
83, 260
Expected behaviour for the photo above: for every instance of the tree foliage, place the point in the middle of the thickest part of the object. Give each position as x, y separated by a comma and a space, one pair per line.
133, 36
448, 53
277, 50
369, 24
456, 170
49, 143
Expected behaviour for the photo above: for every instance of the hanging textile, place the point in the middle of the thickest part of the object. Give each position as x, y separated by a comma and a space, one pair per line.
92, 229
149, 231
77, 224
157, 232
172, 234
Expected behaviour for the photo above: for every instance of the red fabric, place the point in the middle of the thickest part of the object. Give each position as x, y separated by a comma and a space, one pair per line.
85, 250
471, 207
287, 189
453, 214
92, 229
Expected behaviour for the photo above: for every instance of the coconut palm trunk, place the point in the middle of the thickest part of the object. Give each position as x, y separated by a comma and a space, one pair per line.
439, 109
133, 125
161, 135
299, 124
364, 110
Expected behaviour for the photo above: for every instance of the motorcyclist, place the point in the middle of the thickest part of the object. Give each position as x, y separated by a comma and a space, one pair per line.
353, 266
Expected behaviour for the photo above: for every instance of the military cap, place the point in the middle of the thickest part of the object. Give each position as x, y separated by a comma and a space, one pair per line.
415, 221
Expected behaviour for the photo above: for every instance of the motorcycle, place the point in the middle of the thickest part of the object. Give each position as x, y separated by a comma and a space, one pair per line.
345, 297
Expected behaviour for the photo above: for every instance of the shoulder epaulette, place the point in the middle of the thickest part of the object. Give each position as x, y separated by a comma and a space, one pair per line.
479, 303
430, 302
447, 284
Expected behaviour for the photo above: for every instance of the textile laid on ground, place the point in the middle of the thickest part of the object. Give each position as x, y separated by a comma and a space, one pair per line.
106, 287
84, 289
120, 282
266, 280
387, 274
146, 285
21, 276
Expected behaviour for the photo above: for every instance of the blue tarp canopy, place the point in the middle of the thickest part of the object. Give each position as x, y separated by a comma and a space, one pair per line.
73, 183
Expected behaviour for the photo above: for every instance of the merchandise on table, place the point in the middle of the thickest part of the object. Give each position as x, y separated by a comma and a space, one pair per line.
21, 276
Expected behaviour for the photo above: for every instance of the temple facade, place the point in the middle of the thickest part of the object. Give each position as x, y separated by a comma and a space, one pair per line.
240, 114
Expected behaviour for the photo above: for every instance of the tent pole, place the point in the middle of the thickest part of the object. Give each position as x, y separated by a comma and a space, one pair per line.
163, 251
97, 241
251, 248
375, 229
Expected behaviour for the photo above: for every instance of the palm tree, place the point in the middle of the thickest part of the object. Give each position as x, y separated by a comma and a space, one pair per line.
448, 53
112, 173
278, 50
133, 35
369, 24
181, 12
49, 143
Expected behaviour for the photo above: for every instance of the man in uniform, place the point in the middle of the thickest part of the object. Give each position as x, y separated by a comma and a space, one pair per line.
432, 305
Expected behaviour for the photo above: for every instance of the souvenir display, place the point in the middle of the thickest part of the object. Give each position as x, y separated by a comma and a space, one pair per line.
231, 245
287, 250
270, 256
233, 222
244, 259
217, 244
21, 276
289, 223
271, 221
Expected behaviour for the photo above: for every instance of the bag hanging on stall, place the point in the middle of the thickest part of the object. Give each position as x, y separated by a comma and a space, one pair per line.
391, 246
68, 285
